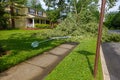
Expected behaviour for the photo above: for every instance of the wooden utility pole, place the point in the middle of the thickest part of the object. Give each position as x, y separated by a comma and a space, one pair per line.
99, 37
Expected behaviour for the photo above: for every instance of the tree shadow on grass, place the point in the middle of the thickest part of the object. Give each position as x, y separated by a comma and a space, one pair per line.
86, 54
20, 45
19, 42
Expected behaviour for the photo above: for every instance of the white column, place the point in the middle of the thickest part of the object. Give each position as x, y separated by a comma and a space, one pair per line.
39, 21
33, 22
45, 21
26, 23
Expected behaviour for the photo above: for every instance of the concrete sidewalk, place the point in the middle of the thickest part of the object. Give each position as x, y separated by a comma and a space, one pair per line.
112, 57
38, 67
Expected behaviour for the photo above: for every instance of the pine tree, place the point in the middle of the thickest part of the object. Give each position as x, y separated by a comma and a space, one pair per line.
12, 5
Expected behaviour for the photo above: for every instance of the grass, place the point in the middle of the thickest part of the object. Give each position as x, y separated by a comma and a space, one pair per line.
78, 65
18, 43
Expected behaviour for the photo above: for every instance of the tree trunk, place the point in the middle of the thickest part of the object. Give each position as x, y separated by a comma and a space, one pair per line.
51, 24
12, 14
75, 3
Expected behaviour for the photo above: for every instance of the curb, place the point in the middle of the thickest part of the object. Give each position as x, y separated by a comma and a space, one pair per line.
106, 75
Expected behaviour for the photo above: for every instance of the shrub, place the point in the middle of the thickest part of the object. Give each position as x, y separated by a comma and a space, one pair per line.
112, 37
42, 26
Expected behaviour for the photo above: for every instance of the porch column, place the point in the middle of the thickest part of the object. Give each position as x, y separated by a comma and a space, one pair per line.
39, 21
26, 23
45, 21
33, 23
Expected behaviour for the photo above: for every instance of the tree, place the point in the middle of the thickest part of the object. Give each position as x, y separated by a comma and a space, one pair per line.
93, 8
39, 7
56, 9
48, 4
53, 15
109, 18
3, 18
76, 6
12, 5
111, 3
116, 20
35, 4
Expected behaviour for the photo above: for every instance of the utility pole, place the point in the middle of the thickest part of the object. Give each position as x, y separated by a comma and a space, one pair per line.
99, 37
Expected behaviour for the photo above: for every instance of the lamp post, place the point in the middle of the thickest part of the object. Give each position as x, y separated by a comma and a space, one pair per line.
99, 37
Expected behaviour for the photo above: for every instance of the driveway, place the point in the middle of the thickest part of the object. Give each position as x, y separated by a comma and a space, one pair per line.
112, 56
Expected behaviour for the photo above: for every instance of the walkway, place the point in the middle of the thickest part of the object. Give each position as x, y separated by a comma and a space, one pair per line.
38, 67
112, 56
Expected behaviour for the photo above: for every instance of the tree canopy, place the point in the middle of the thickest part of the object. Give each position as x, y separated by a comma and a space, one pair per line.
116, 21
58, 9
35, 4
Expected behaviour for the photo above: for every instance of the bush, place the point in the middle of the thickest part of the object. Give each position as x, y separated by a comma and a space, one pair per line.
42, 26
111, 37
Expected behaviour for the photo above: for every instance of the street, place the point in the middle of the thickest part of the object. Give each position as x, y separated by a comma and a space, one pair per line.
112, 57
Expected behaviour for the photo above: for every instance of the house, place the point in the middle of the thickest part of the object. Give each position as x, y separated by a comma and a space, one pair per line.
27, 17
34, 17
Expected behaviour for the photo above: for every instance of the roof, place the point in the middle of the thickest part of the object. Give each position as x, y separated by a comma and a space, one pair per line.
30, 16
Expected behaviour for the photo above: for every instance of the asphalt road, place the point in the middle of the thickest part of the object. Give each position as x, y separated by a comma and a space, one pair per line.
112, 56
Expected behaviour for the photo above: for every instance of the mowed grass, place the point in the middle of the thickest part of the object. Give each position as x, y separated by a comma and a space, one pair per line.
18, 45
78, 65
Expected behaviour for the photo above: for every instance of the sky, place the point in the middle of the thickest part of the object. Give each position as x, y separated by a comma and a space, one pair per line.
115, 8
43, 4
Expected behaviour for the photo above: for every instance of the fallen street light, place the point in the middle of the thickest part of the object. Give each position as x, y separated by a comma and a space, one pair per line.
99, 37
36, 43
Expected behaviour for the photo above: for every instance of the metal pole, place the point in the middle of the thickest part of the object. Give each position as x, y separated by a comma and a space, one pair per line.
99, 37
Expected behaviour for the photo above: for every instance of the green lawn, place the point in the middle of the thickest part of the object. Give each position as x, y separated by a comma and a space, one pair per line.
18, 43
78, 65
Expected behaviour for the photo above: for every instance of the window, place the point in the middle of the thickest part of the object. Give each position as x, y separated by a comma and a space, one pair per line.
32, 11
40, 13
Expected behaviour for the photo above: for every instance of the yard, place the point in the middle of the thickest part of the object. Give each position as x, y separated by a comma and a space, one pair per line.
78, 65
16, 45
79, 22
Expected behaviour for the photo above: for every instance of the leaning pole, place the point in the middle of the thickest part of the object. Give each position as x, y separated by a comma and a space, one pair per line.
99, 37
